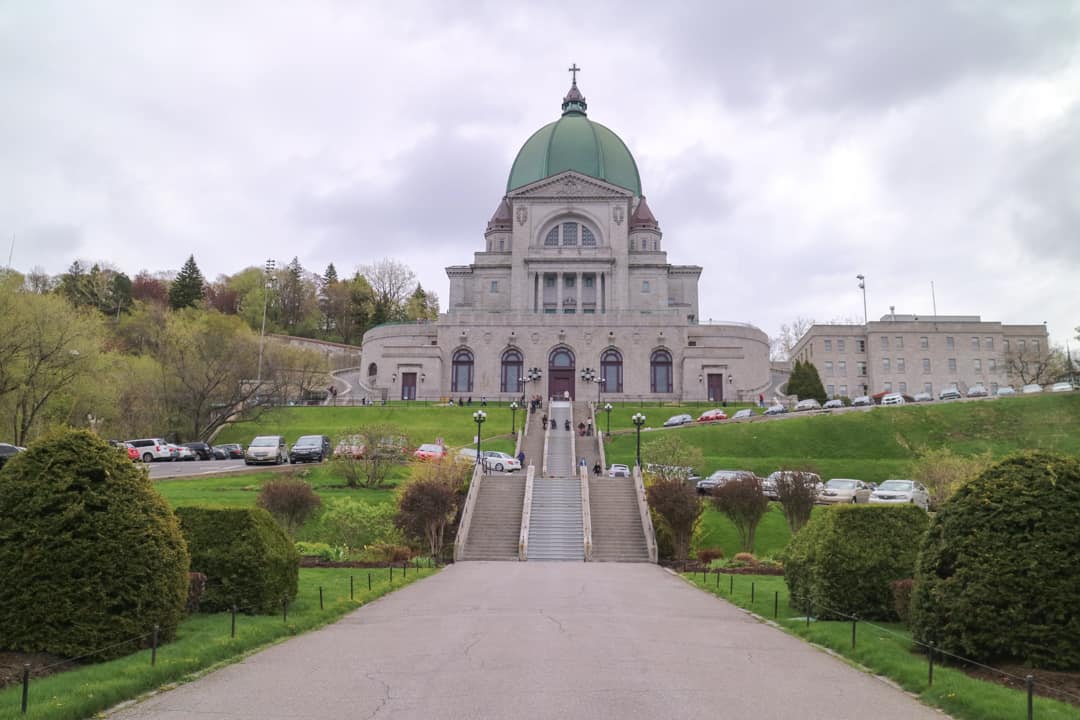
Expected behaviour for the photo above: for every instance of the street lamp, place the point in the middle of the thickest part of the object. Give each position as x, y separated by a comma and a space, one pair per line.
479, 417
608, 409
269, 281
639, 420
513, 418
862, 286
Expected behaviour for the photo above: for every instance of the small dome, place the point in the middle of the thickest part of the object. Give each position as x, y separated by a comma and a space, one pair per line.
643, 219
573, 142
501, 220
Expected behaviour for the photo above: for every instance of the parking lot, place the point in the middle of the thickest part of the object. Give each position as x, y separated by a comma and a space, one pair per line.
164, 470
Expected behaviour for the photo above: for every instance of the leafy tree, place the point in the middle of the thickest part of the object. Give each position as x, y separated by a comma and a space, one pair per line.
422, 305
429, 504
40, 282
221, 297
744, 504
150, 289
390, 281
376, 449
673, 459
330, 276
797, 492
356, 524
290, 500
943, 472
297, 301
188, 288
676, 507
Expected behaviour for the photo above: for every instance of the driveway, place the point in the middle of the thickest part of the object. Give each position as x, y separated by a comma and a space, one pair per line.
540, 640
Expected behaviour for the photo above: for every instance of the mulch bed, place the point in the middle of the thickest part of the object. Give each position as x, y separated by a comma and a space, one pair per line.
747, 570
311, 561
41, 664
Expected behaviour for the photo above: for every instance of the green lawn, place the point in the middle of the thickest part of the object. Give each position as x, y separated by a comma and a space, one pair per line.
716, 531
202, 643
885, 650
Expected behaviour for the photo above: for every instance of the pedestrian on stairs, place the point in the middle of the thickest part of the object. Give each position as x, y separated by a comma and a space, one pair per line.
543, 420
521, 458
566, 425
596, 469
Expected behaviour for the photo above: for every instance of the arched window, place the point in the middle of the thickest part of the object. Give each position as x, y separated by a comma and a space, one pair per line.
660, 372
570, 234
552, 238
611, 371
561, 359
372, 370
511, 371
461, 373
587, 237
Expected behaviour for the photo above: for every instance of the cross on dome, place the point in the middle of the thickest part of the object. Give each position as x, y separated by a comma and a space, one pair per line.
574, 69
574, 102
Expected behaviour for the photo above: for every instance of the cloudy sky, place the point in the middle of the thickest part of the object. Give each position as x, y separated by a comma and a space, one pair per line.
784, 146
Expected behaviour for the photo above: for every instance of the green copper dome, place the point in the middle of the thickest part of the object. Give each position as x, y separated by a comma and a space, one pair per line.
573, 142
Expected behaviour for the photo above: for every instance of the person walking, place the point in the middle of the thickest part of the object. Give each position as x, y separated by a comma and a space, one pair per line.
521, 458
596, 469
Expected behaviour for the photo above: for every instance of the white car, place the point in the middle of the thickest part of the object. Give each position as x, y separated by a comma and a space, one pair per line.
182, 452
267, 449
844, 490
807, 404
1005, 391
1031, 389
833, 404
893, 399
676, 420
618, 470
770, 490
901, 492
151, 449
500, 461
923, 397
743, 414
1061, 387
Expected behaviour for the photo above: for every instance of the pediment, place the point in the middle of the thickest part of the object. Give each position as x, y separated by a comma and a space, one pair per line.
569, 184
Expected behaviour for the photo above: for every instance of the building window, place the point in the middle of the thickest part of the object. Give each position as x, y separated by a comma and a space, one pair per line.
494, 286
828, 368
899, 342
1021, 346
860, 346
952, 366
950, 344
549, 281
569, 280
841, 368
611, 371
587, 237
924, 343
660, 372
461, 375
903, 387
988, 343
978, 365
569, 234
830, 390
888, 387
561, 359
828, 345
926, 366
885, 365
588, 281
552, 239
1034, 346
991, 365
1005, 343
900, 365
569, 311
840, 345
860, 368
928, 387
372, 370
511, 372
884, 342
975, 343
644, 286
549, 311
843, 390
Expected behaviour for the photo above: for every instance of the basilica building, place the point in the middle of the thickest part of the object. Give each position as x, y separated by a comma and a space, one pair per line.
572, 293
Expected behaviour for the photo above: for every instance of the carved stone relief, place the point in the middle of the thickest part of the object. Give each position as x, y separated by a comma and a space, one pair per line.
618, 214
522, 214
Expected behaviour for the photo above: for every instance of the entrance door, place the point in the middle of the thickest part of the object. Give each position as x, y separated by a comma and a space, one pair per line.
716, 387
561, 373
408, 386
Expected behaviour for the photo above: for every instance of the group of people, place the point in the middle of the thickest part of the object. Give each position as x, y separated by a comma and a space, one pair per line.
463, 402
597, 468
535, 403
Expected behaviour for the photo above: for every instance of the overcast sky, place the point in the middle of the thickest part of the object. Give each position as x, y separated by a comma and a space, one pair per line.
784, 146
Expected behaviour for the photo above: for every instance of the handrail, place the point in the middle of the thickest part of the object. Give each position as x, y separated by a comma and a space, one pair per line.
573, 437
643, 509
547, 435
526, 515
586, 513
467, 513
521, 435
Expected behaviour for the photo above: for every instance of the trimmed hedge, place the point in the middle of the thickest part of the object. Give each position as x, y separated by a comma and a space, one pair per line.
90, 554
846, 557
999, 573
247, 558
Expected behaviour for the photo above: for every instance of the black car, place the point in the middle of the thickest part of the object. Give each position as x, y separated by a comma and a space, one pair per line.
233, 451
310, 448
202, 450
8, 451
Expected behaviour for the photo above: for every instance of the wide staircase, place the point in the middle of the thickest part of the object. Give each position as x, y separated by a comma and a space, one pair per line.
555, 525
560, 456
496, 522
617, 534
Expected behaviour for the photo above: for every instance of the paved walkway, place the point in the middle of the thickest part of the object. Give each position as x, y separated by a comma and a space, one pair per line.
540, 640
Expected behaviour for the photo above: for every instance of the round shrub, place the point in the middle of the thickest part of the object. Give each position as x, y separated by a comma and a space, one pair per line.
90, 554
846, 558
999, 573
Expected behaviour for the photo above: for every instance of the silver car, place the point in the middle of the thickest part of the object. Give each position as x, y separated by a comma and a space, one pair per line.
722, 477
267, 449
833, 404
807, 404
896, 492
676, 420
844, 490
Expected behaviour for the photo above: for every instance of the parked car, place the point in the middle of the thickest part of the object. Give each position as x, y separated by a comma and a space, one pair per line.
714, 415
267, 449
182, 452
151, 449
775, 410
743, 414
923, 397
862, 401
500, 461
429, 451
893, 399
978, 390
1031, 389
719, 478
219, 452
132, 452
833, 404
310, 448
807, 404
844, 490
1005, 391
950, 393
618, 470
1061, 387
676, 420
233, 451
8, 451
350, 446
202, 450
901, 492
769, 485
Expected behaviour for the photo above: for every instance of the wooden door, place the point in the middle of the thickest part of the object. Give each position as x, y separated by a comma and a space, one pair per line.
716, 387
408, 386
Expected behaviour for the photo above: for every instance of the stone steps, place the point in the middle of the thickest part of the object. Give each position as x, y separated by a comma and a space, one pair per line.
496, 524
616, 522
555, 525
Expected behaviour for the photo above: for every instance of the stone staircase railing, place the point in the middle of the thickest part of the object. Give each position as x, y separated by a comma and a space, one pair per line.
646, 518
526, 513
467, 512
586, 513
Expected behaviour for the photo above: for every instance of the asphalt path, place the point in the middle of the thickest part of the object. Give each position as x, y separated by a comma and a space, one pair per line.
194, 468
539, 640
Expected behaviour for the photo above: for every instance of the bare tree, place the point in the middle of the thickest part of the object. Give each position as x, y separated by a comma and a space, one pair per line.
676, 505
780, 345
367, 454
391, 284
744, 504
797, 492
1030, 364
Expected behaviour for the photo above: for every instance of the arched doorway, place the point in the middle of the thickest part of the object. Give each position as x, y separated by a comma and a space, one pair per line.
561, 373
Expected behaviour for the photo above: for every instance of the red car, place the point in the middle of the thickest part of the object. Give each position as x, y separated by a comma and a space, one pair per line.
714, 415
133, 453
430, 451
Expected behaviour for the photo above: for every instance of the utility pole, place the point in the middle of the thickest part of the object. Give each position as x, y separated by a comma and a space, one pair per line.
270, 264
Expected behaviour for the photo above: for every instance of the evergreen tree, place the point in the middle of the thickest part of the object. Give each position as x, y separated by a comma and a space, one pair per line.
422, 305
188, 287
812, 387
330, 276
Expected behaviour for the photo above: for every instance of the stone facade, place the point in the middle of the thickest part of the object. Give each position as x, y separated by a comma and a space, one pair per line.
911, 354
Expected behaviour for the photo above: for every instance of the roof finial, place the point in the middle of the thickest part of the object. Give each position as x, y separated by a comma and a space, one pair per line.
574, 102
574, 70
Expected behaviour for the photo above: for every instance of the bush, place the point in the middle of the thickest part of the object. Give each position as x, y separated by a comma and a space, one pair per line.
901, 590
744, 505
676, 511
943, 472
356, 524
797, 491
706, 556
387, 553
248, 559
845, 558
290, 500
1000, 566
90, 554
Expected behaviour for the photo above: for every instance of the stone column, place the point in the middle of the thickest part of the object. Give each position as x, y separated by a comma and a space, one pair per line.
558, 292
578, 288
